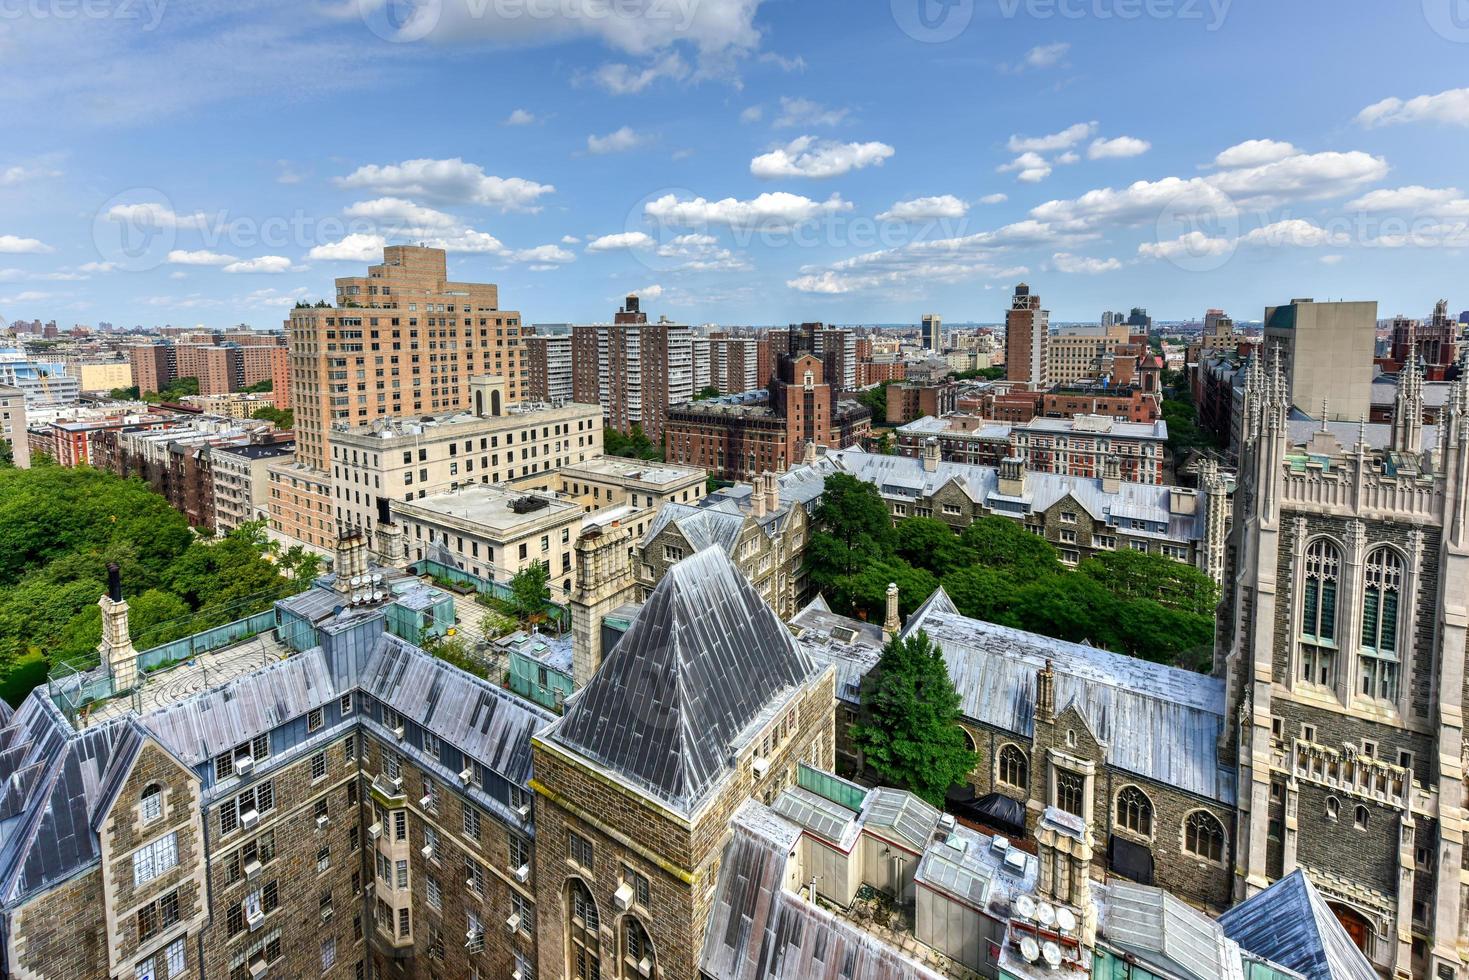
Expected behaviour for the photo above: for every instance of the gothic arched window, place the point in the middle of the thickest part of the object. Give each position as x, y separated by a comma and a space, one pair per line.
1135, 811
1319, 613
1381, 601
1203, 835
582, 951
1013, 770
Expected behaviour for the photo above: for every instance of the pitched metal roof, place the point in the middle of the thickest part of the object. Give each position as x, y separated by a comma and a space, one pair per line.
671, 704
701, 527
1153, 720
1164, 930
1290, 924
759, 931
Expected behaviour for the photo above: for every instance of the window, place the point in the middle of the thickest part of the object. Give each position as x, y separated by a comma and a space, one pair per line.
152, 803
400, 878
174, 957
158, 915
430, 746
328, 954
474, 876
471, 822
400, 825
1333, 809
519, 906
519, 852
435, 896
1359, 819
1135, 811
318, 766
346, 704
579, 850
1380, 603
1012, 767
672, 553
1071, 791
403, 922
323, 859
637, 946
1318, 614
1203, 836
639, 885
581, 931
313, 720
152, 860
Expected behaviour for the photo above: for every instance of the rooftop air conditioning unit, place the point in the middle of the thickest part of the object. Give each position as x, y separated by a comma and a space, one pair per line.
465, 776
623, 897
524, 810
522, 873
761, 767
398, 733
249, 818
243, 764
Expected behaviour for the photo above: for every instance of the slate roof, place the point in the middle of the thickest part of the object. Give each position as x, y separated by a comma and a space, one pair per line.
701, 527
673, 702
1159, 722
759, 931
1290, 924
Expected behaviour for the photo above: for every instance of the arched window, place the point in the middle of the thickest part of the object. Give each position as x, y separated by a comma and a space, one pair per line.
1203, 835
969, 745
1380, 603
582, 952
1135, 811
1361, 818
1333, 808
1318, 613
637, 950
1013, 770
152, 803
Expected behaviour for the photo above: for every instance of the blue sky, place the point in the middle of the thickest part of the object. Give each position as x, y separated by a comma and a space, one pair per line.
736, 161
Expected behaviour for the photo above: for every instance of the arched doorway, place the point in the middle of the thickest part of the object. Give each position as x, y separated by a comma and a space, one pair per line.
1357, 925
495, 403
479, 403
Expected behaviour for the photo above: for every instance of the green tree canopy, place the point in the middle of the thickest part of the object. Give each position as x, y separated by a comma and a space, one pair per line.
283, 418
908, 729
1000, 542
852, 528
529, 591
1132, 575
924, 542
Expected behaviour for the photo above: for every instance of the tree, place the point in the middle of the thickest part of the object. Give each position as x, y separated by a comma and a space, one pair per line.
925, 542
1000, 542
867, 589
283, 418
852, 529
1133, 575
908, 729
7, 455
706, 393
529, 592
125, 394
876, 401
260, 387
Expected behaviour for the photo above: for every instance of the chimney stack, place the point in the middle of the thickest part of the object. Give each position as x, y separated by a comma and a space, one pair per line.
1112, 475
1045, 693
892, 623
757, 496
772, 493
931, 455
116, 649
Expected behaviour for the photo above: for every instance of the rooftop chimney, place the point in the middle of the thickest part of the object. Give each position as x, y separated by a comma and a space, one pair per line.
116, 649
891, 624
772, 493
931, 455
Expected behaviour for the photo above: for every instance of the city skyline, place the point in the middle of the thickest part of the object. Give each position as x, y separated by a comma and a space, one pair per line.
574, 155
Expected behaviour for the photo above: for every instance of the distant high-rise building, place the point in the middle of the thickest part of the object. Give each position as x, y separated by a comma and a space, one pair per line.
634, 368
1139, 320
1027, 339
1326, 352
1436, 342
933, 332
548, 368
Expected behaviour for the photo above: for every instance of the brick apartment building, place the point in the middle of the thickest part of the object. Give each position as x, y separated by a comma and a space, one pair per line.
907, 402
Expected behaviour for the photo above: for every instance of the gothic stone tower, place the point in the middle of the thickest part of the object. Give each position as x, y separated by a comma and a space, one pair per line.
1344, 651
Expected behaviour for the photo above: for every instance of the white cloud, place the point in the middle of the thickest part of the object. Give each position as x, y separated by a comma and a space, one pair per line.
1068, 158
356, 247
1031, 168
1193, 244
994, 199
97, 267
26, 275
1082, 265
1292, 232
799, 113
701, 253
1332, 259
1253, 153
181, 256
570, 240
1118, 148
401, 213
782, 62
448, 180
769, 211
29, 296
272, 264
1448, 201
648, 292
809, 157
154, 215
1047, 55
620, 241
544, 255
1064, 140
753, 114
10, 176
288, 173
15, 245
1141, 201
465, 239
1305, 176
1451, 107
621, 79
520, 117
619, 142
926, 209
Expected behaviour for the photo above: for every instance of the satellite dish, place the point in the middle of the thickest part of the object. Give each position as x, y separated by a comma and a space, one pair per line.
1030, 951
356, 581
1052, 954
1025, 907
1045, 914
1065, 920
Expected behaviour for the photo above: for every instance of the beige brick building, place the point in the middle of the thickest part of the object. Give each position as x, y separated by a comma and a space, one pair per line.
13, 424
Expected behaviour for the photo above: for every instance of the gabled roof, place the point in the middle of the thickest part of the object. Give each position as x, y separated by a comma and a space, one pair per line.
1164, 930
701, 527
670, 706
1289, 923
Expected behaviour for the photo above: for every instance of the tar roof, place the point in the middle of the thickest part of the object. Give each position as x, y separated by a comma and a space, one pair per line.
671, 705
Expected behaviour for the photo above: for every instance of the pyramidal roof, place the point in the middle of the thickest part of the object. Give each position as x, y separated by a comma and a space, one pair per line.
669, 707
1290, 923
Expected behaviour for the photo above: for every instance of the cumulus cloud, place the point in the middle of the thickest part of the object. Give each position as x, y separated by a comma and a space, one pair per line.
1030, 167
1193, 244
1064, 140
357, 247
809, 157
1446, 201
15, 245
770, 211
620, 141
520, 117
1450, 107
753, 114
1305, 176
1047, 55
620, 241
994, 199
1083, 265
451, 180
926, 209
701, 253
91, 267
153, 215
648, 292
799, 113
271, 264
544, 255
1254, 153
1116, 149
181, 256
398, 212
623, 79
10, 176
